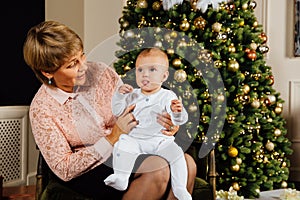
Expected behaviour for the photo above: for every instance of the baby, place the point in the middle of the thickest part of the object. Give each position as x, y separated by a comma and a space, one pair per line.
147, 137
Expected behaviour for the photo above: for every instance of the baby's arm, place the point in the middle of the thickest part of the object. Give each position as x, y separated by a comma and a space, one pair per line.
125, 88
119, 99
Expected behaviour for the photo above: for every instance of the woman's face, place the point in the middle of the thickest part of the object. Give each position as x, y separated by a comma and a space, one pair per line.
72, 73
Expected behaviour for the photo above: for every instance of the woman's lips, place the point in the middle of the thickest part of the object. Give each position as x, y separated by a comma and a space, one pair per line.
80, 77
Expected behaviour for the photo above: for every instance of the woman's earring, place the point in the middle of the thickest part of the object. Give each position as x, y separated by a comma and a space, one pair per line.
49, 81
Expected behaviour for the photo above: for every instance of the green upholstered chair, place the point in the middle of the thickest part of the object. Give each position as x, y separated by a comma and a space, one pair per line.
49, 189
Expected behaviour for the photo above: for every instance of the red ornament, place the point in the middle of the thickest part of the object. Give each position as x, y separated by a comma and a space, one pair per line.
252, 55
263, 37
271, 80
247, 50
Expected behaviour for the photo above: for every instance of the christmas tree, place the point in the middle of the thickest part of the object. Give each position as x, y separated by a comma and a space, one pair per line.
217, 62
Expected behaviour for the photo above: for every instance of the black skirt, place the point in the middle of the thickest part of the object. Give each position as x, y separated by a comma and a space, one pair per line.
92, 183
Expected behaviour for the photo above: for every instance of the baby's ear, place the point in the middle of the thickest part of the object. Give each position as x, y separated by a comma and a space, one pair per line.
166, 75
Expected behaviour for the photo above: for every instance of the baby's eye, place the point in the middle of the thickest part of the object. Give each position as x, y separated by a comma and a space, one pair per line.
153, 69
140, 70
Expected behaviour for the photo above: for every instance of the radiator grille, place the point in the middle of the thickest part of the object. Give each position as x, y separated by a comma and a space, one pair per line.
10, 157
13, 154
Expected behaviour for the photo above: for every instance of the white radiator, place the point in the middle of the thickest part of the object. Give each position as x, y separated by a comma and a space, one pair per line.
14, 123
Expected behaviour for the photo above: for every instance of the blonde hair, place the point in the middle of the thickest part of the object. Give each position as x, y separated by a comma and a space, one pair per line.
48, 46
154, 52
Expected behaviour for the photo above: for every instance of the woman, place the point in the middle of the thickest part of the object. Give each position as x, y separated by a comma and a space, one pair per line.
72, 122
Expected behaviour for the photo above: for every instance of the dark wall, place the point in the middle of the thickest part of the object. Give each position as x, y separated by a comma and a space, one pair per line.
17, 82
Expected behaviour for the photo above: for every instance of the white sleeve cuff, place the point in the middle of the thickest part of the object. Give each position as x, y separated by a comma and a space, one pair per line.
104, 148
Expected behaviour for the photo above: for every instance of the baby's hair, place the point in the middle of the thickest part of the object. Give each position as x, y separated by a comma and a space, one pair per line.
152, 50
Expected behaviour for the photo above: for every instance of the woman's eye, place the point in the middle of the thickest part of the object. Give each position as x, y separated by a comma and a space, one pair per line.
73, 64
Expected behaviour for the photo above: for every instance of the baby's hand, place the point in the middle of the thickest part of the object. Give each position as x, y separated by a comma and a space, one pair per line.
176, 105
125, 88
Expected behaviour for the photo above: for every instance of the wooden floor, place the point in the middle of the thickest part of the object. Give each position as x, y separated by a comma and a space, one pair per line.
19, 193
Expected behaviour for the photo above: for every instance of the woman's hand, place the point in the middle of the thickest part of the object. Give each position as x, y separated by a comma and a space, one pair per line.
124, 124
164, 119
127, 121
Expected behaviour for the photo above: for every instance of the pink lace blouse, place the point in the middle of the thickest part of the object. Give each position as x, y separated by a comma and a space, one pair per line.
70, 128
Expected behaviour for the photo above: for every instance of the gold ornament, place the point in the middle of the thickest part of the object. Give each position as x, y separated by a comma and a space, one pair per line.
283, 164
222, 36
220, 98
180, 75
156, 5
284, 184
253, 46
257, 190
231, 48
170, 51
235, 168
270, 146
187, 94
277, 132
142, 4
184, 25
125, 24
271, 99
205, 55
218, 63
233, 66
231, 119
128, 34
127, 68
255, 24
217, 27
241, 76
255, 103
204, 119
158, 44
121, 20
142, 23
239, 161
193, 107
278, 110
256, 76
242, 22
232, 151
245, 6
200, 23
235, 186
193, 4
173, 34
176, 62
246, 89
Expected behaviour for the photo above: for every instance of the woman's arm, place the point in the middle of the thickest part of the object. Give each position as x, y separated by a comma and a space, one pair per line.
50, 136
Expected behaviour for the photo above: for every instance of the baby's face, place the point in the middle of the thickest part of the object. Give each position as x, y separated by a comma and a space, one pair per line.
151, 72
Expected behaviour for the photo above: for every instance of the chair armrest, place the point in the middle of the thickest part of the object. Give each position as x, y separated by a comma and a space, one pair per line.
39, 177
212, 174
1, 187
